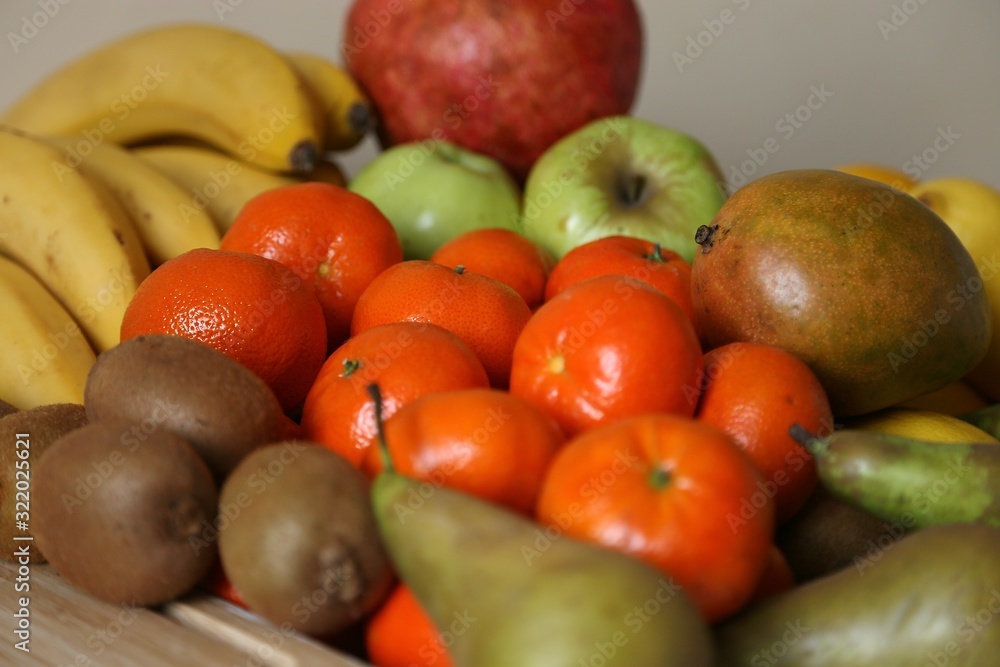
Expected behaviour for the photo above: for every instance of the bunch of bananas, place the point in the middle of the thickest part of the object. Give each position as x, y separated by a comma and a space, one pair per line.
133, 154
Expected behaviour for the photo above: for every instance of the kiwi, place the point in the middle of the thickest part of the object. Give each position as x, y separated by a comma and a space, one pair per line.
829, 534
24, 437
183, 386
120, 519
298, 539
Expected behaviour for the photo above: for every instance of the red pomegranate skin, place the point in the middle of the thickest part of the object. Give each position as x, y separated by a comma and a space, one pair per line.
506, 78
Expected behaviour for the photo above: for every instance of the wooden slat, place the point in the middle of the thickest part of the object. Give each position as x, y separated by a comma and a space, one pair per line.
232, 625
71, 628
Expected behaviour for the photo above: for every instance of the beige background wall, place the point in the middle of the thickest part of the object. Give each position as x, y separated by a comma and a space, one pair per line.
901, 78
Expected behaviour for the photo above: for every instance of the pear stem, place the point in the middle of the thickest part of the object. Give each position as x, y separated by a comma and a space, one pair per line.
376, 394
814, 444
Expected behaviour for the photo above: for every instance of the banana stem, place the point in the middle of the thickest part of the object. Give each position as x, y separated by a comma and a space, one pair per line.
376, 394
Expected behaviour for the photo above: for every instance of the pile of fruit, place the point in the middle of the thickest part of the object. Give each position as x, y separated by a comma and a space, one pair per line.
518, 393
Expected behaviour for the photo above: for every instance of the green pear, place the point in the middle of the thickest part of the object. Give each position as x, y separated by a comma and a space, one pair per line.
930, 598
505, 591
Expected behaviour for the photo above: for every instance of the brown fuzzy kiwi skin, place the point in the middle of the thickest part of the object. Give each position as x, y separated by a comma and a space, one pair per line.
299, 539
120, 522
183, 386
43, 425
829, 534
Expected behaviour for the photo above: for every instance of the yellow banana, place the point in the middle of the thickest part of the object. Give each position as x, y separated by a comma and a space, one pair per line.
167, 224
45, 355
346, 109
71, 233
214, 182
218, 85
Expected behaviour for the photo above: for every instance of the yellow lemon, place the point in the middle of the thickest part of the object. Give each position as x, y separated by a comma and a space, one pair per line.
972, 210
879, 172
921, 425
955, 399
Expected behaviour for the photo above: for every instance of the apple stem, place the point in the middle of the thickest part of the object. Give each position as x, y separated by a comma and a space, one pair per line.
632, 189
447, 151
383, 445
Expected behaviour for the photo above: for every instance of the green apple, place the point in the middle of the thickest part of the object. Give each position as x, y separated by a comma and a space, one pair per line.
972, 210
432, 191
622, 175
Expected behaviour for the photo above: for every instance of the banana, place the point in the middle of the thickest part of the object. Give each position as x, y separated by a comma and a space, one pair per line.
161, 211
213, 181
45, 355
218, 85
346, 109
71, 233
